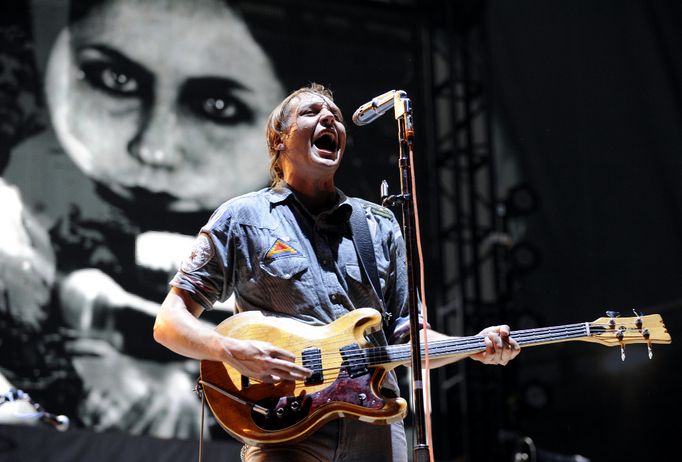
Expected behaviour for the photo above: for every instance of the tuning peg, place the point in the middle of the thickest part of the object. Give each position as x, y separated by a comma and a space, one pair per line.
646, 334
638, 321
612, 321
619, 335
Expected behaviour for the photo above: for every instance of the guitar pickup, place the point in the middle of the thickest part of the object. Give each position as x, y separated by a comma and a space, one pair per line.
354, 360
311, 358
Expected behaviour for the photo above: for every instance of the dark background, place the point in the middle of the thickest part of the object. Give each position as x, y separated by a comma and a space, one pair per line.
587, 103
585, 108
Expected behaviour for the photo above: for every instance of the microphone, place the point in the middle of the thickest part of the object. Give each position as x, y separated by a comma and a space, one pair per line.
60, 422
372, 110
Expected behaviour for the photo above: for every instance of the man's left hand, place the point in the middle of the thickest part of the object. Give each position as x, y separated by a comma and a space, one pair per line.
500, 347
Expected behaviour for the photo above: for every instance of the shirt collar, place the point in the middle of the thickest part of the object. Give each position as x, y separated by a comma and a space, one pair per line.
336, 219
279, 193
333, 220
282, 191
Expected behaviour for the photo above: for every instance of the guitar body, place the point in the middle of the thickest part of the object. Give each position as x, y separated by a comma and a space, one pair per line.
348, 371
262, 413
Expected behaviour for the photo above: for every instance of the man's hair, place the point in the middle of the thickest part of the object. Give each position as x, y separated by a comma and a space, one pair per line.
278, 125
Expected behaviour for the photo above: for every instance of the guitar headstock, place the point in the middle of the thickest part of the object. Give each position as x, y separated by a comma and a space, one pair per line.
614, 330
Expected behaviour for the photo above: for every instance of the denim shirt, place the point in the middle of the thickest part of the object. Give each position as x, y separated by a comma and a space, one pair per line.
278, 258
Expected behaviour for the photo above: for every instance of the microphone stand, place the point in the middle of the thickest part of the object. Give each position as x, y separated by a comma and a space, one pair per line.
403, 115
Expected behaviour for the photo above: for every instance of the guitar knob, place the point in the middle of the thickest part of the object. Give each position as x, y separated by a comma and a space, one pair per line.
295, 406
280, 412
362, 397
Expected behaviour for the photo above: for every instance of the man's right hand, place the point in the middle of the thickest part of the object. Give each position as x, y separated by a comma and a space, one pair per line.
178, 328
263, 361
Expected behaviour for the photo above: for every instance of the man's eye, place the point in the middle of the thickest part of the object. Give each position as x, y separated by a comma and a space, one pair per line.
111, 79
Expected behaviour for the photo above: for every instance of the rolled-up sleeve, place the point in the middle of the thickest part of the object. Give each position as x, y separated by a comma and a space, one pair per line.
206, 274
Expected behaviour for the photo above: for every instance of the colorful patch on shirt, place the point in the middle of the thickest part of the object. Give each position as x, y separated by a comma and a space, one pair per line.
280, 249
202, 253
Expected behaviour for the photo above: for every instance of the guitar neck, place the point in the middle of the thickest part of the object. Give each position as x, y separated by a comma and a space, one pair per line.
464, 346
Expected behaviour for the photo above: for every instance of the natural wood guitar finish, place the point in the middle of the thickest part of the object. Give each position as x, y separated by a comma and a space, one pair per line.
348, 370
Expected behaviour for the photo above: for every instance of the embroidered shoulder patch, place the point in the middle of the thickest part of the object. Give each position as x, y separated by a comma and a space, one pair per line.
280, 249
381, 211
202, 253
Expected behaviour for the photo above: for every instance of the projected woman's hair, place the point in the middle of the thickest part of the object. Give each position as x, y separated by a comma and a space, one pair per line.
157, 112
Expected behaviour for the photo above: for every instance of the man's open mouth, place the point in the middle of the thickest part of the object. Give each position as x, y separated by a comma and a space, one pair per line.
326, 142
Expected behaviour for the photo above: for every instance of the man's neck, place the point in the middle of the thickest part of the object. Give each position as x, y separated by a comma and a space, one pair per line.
315, 196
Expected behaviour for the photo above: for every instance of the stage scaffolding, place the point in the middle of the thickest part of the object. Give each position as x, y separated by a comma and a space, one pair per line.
466, 262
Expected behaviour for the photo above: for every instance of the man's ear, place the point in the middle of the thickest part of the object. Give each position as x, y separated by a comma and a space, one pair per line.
279, 143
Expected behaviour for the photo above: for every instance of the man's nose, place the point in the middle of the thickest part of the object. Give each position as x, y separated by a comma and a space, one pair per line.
154, 143
327, 118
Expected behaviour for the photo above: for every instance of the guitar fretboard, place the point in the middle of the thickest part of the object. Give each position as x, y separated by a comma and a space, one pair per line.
476, 343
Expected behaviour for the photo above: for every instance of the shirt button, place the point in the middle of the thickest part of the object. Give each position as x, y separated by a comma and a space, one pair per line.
333, 297
325, 261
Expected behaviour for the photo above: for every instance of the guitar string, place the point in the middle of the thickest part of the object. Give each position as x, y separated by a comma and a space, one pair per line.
517, 335
393, 353
379, 355
520, 334
530, 334
374, 356
463, 346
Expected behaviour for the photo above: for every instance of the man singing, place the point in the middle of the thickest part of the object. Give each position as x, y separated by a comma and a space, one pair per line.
288, 250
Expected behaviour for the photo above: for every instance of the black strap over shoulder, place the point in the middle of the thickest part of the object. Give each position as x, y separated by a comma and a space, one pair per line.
362, 239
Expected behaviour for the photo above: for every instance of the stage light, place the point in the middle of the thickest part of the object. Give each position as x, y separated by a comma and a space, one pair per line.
536, 395
521, 200
524, 257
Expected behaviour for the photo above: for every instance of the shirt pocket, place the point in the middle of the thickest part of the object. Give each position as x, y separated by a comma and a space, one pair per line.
285, 268
285, 286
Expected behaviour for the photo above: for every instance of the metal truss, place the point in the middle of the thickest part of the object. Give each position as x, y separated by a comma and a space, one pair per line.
464, 265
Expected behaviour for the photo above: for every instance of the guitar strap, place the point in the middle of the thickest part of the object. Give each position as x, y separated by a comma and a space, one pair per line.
199, 390
362, 239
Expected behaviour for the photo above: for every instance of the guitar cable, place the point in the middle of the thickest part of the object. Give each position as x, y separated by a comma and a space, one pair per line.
199, 390
425, 324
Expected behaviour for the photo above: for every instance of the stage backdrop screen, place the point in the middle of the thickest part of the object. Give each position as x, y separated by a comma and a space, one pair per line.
124, 125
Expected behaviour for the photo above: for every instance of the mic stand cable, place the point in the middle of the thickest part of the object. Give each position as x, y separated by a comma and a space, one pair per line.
407, 199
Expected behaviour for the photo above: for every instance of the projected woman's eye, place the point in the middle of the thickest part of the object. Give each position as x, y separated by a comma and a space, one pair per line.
108, 71
215, 99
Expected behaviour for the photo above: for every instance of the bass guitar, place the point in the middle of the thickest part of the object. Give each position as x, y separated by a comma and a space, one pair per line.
348, 370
